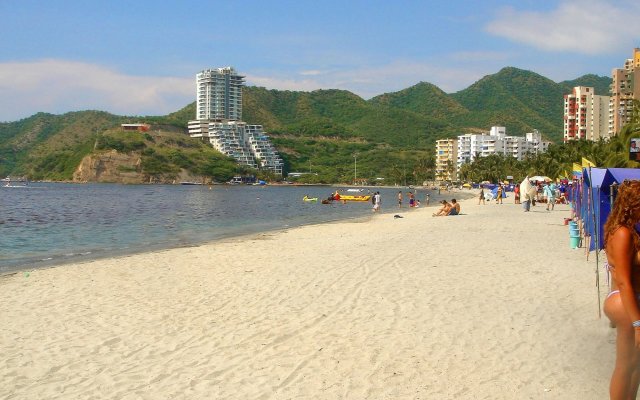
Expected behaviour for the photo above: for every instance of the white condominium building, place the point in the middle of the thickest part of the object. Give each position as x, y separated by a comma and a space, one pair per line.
219, 121
446, 158
474, 145
470, 146
585, 115
219, 94
265, 154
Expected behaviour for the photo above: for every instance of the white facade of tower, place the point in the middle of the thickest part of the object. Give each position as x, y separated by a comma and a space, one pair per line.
219, 94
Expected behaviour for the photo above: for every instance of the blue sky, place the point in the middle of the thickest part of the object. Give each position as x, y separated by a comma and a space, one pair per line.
141, 57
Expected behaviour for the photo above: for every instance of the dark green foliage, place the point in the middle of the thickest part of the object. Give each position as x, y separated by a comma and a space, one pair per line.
123, 142
600, 84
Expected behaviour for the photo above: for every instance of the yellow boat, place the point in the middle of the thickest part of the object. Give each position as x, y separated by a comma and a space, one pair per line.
305, 198
347, 197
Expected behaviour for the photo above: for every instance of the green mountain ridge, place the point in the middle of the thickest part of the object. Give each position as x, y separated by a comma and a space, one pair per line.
320, 131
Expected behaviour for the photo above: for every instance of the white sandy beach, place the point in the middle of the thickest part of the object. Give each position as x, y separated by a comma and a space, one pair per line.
488, 305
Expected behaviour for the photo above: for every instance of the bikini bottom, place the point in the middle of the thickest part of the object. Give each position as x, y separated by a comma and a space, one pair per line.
617, 291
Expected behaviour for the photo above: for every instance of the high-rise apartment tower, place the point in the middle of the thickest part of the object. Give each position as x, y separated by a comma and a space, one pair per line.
585, 115
219, 94
624, 89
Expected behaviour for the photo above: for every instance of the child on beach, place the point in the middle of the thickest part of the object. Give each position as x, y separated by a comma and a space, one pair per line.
481, 198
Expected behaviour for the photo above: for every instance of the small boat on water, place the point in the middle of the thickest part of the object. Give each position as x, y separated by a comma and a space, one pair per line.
348, 197
310, 199
14, 182
191, 183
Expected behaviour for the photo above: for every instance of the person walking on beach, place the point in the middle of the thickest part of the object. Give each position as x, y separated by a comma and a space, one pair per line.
376, 202
481, 198
622, 245
399, 198
516, 194
499, 194
550, 192
525, 192
412, 200
426, 199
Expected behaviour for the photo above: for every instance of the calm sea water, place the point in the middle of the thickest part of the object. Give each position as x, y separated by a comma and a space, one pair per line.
53, 223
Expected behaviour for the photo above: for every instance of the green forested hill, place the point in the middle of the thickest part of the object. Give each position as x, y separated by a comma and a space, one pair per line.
522, 99
52, 143
425, 99
600, 84
391, 135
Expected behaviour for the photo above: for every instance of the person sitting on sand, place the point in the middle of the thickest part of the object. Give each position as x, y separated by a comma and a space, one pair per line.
455, 208
446, 207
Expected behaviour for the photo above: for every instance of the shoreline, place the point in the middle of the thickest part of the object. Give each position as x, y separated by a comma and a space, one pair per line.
417, 307
100, 254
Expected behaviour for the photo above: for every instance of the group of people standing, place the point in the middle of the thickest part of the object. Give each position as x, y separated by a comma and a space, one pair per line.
413, 202
488, 195
527, 194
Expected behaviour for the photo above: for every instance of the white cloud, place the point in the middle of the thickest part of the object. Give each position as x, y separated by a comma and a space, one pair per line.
59, 86
311, 72
374, 80
587, 27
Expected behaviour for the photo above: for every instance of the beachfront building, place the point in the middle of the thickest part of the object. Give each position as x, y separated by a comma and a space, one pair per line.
446, 158
496, 141
219, 121
585, 115
624, 89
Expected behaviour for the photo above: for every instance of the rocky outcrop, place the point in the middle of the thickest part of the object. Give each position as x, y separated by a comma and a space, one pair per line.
110, 166
115, 167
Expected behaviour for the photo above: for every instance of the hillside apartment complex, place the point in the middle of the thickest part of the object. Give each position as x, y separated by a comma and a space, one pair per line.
219, 121
451, 154
592, 117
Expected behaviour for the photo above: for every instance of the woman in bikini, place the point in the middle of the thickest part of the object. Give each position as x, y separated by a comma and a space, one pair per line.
622, 245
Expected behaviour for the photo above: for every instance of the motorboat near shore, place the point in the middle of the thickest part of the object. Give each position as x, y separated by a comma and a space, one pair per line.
14, 182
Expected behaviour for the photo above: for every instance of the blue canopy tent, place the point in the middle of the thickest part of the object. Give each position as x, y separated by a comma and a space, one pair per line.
619, 175
595, 204
599, 184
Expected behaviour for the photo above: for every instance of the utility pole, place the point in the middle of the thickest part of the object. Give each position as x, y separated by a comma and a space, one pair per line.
355, 168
